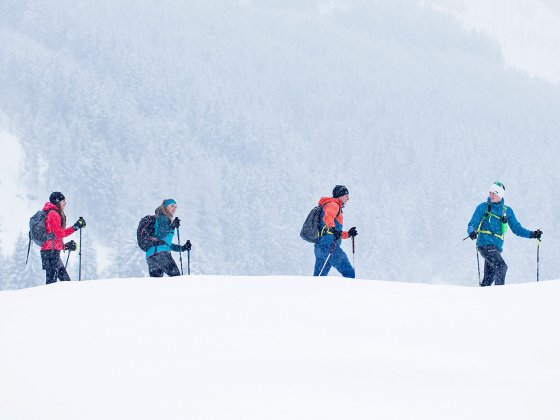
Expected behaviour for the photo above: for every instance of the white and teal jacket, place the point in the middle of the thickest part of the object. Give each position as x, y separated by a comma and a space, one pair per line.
165, 233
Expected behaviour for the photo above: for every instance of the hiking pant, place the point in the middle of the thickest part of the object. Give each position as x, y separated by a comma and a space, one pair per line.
162, 262
54, 267
495, 267
338, 260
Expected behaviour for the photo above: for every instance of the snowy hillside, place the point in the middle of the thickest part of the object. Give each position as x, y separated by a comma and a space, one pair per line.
206, 347
247, 112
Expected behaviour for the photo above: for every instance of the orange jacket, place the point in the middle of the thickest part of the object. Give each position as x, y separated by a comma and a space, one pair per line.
332, 214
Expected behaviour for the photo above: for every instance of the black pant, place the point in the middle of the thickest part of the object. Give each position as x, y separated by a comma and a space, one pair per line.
162, 262
54, 267
495, 267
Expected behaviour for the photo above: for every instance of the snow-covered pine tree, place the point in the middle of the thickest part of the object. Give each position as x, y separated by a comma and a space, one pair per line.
89, 258
31, 274
129, 261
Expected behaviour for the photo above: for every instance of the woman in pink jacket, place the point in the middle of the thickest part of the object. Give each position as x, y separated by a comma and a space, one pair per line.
55, 223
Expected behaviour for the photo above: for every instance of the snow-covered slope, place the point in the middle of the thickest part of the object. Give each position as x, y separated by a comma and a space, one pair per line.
278, 348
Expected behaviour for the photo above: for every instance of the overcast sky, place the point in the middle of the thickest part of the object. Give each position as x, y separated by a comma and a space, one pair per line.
527, 31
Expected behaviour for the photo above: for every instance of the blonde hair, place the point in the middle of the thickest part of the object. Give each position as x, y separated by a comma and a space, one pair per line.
162, 210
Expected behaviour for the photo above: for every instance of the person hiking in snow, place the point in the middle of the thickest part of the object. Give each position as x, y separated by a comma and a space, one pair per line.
158, 256
488, 226
328, 252
55, 223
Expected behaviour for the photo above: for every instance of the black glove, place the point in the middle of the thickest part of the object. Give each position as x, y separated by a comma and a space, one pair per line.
71, 246
473, 235
336, 233
536, 234
81, 223
353, 232
187, 246
176, 223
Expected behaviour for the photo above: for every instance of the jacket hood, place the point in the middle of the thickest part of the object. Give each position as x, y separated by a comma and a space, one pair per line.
326, 200
49, 206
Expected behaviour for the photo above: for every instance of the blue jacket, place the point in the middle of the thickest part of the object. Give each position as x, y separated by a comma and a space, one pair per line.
165, 233
492, 223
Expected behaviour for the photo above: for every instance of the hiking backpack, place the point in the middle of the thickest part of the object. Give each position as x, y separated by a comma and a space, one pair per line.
38, 230
145, 232
503, 220
311, 229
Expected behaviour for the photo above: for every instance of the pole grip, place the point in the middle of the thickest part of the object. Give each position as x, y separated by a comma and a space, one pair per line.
538, 259
180, 250
80, 255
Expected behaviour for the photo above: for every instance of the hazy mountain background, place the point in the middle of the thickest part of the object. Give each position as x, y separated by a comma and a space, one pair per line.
247, 112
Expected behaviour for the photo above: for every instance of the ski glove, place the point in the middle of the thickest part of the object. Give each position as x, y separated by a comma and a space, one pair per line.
187, 246
336, 233
71, 246
536, 234
176, 223
353, 232
81, 223
473, 235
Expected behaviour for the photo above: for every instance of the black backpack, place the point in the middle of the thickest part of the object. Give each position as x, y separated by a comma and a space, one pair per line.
311, 229
145, 232
37, 228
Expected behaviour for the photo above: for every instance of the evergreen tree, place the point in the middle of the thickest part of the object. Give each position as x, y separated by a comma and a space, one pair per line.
30, 274
12, 270
89, 259
129, 261
2, 271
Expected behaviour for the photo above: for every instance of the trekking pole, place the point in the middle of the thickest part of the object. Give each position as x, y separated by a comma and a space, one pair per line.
478, 265
538, 248
67, 258
188, 258
180, 250
328, 256
80, 259
28, 248
353, 253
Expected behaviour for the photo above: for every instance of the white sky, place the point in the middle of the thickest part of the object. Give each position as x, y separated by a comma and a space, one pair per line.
527, 31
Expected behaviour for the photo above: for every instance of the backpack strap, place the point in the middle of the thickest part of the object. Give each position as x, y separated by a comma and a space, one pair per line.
489, 214
155, 230
49, 233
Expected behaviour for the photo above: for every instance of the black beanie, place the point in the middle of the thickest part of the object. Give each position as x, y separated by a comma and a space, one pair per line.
339, 191
56, 197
